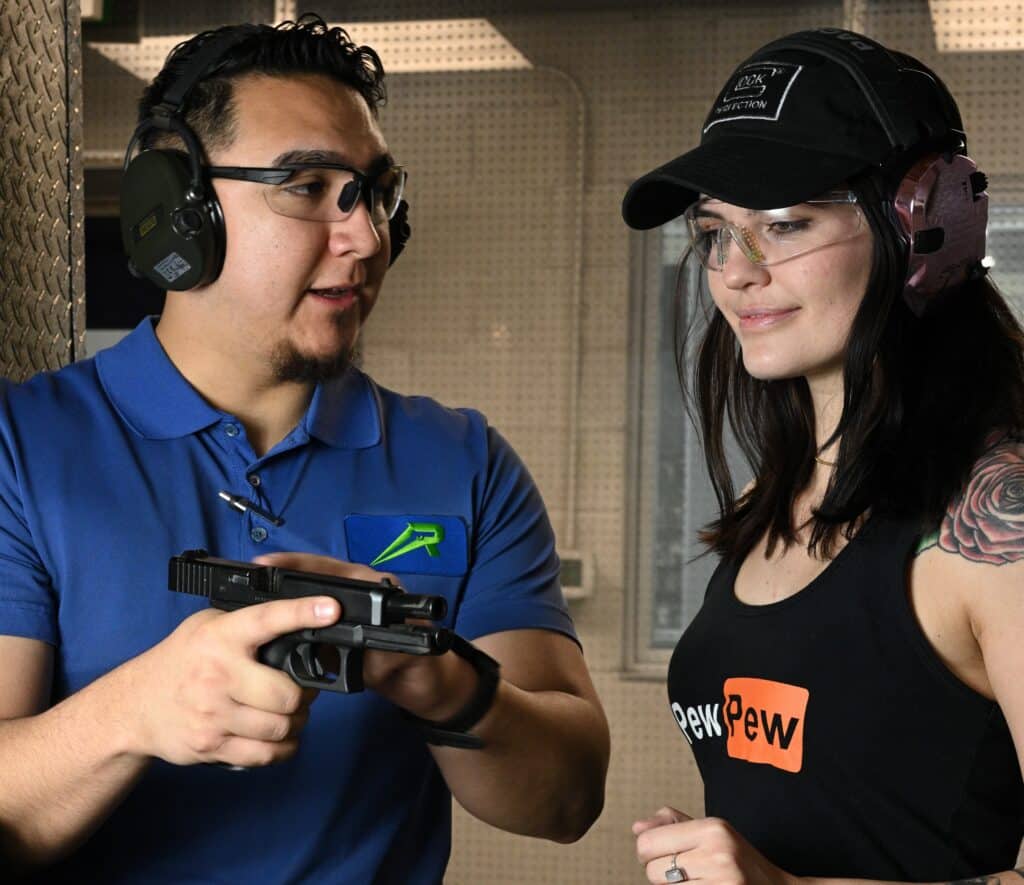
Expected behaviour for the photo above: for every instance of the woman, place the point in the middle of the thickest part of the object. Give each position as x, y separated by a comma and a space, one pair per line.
851, 687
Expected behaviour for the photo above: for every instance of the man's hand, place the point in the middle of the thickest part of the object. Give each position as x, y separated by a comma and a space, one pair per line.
704, 848
433, 687
200, 695
542, 766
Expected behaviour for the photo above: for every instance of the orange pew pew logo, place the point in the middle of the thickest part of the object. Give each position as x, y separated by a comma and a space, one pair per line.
765, 722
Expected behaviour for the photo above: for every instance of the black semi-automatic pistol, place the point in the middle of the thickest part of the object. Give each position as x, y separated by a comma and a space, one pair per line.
373, 615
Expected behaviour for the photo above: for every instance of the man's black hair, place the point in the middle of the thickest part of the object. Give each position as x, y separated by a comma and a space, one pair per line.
306, 46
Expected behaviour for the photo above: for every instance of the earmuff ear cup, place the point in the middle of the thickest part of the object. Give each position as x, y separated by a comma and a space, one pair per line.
942, 207
400, 230
171, 237
940, 200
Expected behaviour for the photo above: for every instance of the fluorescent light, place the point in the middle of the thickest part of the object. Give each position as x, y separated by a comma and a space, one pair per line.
454, 44
979, 26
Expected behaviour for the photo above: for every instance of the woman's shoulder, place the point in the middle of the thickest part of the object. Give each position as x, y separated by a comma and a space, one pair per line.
967, 580
984, 523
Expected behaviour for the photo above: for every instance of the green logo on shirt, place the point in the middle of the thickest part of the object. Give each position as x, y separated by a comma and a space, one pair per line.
416, 535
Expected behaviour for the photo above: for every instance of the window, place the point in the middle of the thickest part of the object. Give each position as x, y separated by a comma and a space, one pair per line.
670, 496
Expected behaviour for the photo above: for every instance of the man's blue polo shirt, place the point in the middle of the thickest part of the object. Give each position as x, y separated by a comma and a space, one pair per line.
112, 465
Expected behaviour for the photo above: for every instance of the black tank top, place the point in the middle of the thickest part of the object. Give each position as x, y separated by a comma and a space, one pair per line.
830, 735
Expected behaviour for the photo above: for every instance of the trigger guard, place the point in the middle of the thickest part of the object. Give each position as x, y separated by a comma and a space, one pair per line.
350, 669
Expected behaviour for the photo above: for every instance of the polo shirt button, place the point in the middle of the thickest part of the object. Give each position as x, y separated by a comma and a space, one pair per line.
254, 480
231, 429
258, 534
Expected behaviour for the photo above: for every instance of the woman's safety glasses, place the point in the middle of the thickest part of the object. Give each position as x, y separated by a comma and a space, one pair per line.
771, 236
323, 191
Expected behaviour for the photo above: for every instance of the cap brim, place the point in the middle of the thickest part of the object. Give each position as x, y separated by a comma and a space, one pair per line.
749, 172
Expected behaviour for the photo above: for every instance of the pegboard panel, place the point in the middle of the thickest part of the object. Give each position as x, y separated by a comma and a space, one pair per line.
111, 93
651, 71
967, 44
448, 44
603, 459
542, 448
606, 294
604, 396
481, 296
985, 26
496, 378
598, 617
606, 248
161, 19
648, 748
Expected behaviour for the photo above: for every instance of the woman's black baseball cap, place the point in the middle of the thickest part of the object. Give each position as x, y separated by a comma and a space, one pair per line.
801, 115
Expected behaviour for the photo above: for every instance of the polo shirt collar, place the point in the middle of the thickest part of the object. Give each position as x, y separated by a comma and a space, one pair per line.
156, 401
147, 389
345, 412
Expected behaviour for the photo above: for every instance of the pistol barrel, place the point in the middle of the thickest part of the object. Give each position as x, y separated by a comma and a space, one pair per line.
414, 605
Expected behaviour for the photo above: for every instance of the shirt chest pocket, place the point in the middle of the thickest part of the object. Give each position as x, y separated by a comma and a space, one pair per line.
420, 544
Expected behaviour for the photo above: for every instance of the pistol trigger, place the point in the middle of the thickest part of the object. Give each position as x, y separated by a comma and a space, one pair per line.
302, 665
307, 653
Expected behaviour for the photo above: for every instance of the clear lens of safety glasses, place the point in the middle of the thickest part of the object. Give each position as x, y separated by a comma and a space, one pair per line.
771, 236
322, 191
330, 193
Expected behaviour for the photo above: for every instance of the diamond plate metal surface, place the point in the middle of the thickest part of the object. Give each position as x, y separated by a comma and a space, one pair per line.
42, 272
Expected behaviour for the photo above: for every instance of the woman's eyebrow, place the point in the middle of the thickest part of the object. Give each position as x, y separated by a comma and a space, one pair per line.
704, 212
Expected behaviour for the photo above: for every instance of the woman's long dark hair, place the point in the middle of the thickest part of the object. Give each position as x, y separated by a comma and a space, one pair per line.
921, 396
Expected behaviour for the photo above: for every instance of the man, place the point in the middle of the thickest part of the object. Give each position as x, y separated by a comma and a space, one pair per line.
113, 690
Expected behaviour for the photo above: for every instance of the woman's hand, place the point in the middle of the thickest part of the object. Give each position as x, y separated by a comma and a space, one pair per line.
708, 849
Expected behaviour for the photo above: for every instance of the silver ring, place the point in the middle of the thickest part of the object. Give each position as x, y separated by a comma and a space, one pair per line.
675, 873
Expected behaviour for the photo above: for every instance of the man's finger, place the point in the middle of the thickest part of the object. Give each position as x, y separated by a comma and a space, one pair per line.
258, 624
249, 753
246, 722
274, 692
323, 565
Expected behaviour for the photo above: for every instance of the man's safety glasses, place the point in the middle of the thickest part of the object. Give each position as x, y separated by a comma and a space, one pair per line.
771, 236
323, 191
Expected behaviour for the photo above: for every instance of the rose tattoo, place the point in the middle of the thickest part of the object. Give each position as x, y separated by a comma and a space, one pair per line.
986, 524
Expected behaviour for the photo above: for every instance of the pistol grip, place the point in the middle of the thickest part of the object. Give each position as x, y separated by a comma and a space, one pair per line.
276, 652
